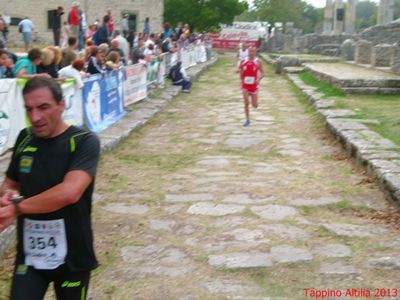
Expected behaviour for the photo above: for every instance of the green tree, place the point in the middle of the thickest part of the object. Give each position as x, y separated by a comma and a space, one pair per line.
396, 9
249, 15
366, 14
203, 14
310, 16
303, 15
279, 10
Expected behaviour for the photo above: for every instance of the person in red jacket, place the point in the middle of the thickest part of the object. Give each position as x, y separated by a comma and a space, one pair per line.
110, 26
74, 19
251, 73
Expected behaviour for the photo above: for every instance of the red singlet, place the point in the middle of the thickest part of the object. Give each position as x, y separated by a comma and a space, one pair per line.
249, 70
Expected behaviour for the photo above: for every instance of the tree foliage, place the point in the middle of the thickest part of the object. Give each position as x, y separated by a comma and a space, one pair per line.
202, 14
303, 15
366, 14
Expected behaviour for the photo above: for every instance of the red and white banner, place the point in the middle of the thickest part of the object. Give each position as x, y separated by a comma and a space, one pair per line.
135, 86
218, 43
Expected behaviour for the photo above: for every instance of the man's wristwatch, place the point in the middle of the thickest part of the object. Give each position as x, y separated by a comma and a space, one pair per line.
16, 200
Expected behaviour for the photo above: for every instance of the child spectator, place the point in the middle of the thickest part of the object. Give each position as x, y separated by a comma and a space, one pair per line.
179, 77
96, 61
74, 71
6, 65
113, 61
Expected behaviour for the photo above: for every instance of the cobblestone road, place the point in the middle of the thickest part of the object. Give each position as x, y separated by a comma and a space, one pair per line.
194, 206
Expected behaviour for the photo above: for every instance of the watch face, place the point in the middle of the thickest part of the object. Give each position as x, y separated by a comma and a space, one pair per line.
17, 199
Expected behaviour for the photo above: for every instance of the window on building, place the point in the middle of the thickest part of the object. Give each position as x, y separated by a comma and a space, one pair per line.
50, 18
15, 21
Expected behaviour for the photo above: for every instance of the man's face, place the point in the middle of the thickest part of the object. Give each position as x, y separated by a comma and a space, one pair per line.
114, 44
252, 52
44, 112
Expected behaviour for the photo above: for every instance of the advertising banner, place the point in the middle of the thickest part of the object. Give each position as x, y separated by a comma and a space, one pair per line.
73, 114
185, 58
218, 43
135, 87
103, 100
12, 113
174, 59
246, 32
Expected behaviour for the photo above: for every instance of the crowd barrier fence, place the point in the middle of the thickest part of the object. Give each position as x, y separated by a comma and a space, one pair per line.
102, 100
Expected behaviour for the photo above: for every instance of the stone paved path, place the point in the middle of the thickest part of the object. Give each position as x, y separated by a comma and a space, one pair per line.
194, 206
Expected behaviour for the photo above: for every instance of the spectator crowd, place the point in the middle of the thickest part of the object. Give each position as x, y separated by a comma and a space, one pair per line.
82, 49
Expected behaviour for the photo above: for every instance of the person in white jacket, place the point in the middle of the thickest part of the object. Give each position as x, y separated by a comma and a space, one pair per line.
74, 71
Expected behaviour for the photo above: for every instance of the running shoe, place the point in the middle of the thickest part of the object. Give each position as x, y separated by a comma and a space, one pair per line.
247, 123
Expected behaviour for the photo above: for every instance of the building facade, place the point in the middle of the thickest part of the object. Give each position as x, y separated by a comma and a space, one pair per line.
38, 11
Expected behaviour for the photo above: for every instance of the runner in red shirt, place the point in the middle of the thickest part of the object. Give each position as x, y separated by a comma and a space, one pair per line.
251, 72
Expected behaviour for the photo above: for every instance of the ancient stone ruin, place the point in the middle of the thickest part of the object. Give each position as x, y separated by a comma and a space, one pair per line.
378, 46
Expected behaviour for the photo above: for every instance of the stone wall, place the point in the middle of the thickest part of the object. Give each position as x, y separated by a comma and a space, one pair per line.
330, 44
36, 10
381, 55
348, 49
388, 34
309, 43
363, 52
395, 59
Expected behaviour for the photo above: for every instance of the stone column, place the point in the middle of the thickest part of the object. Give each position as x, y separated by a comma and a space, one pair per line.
328, 17
351, 16
338, 20
385, 12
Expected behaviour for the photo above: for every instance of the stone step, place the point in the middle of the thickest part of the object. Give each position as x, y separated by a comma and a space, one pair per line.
371, 90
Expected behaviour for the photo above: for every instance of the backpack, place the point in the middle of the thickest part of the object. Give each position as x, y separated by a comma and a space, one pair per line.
173, 73
169, 76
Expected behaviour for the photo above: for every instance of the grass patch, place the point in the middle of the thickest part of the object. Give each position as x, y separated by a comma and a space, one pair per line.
383, 108
327, 89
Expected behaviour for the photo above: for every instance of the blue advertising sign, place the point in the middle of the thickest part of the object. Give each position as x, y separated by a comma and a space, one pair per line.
103, 100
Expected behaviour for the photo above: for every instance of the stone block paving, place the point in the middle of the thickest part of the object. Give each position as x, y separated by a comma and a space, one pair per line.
195, 206
379, 155
212, 210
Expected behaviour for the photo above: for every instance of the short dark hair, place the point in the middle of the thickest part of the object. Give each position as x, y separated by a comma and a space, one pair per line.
38, 82
34, 53
106, 19
2, 51
72, 41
